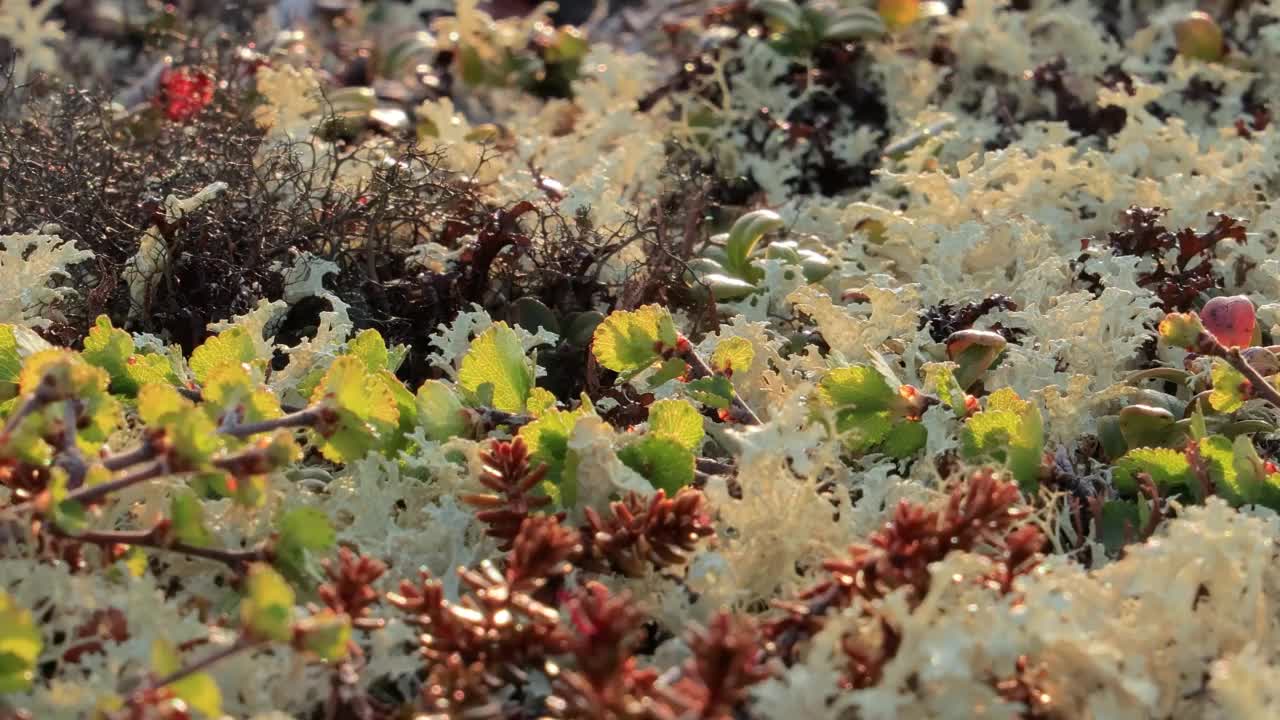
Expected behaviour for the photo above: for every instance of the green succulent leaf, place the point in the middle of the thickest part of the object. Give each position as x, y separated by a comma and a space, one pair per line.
744, 236
496, 360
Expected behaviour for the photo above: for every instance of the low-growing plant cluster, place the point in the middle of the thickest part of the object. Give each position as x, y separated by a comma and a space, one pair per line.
720, 360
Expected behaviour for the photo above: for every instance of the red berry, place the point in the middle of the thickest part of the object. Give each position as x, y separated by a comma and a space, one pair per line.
184, 92
1231, 320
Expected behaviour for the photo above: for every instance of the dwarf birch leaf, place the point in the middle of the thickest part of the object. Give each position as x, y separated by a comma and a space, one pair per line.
198, 690
628, 340
859, 386
266, 612
20, 646
863, 429
1169, 469
371, 348
440, 412
670, 369
10, 359
187, 516
326, 635
663, 461
716, 392
678, 420
732, 354
904, 440
496, 358
365, 411
307, 528
540, 401
232, 345
1228, 387
548, 440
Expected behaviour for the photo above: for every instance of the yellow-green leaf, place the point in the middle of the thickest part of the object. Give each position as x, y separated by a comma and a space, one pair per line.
267, 609
496, 359
678, 420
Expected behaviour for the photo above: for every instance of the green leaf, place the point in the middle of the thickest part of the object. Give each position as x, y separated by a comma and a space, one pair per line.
369, 346
1250, 472
540, 401
716, 392
326, 635
732, 354
1010, 430
232, 345
663, 461
744, 236
192, 433
1219, 460
440, 412
678, 420
905, 440
187, 516
1168, 468
406, 408
113, 350
860, 386
862, 430
109, 348
10, 362
1117, 522
20, 646
628, 341
670, 369
307, 528
941, 379
232, 388
197, 690
548, 440
1228, 387
302, 531
266, 612
1148, 426
497, 360
365, 413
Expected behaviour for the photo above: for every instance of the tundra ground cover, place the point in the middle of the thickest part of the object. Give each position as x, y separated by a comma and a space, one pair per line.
762, 359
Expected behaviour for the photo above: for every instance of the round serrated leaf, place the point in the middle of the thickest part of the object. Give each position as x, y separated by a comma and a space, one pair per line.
496, 359
678, 420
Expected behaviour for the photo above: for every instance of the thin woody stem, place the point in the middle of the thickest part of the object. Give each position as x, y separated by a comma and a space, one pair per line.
701, 370
1207, 344
153, 538
306, 417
